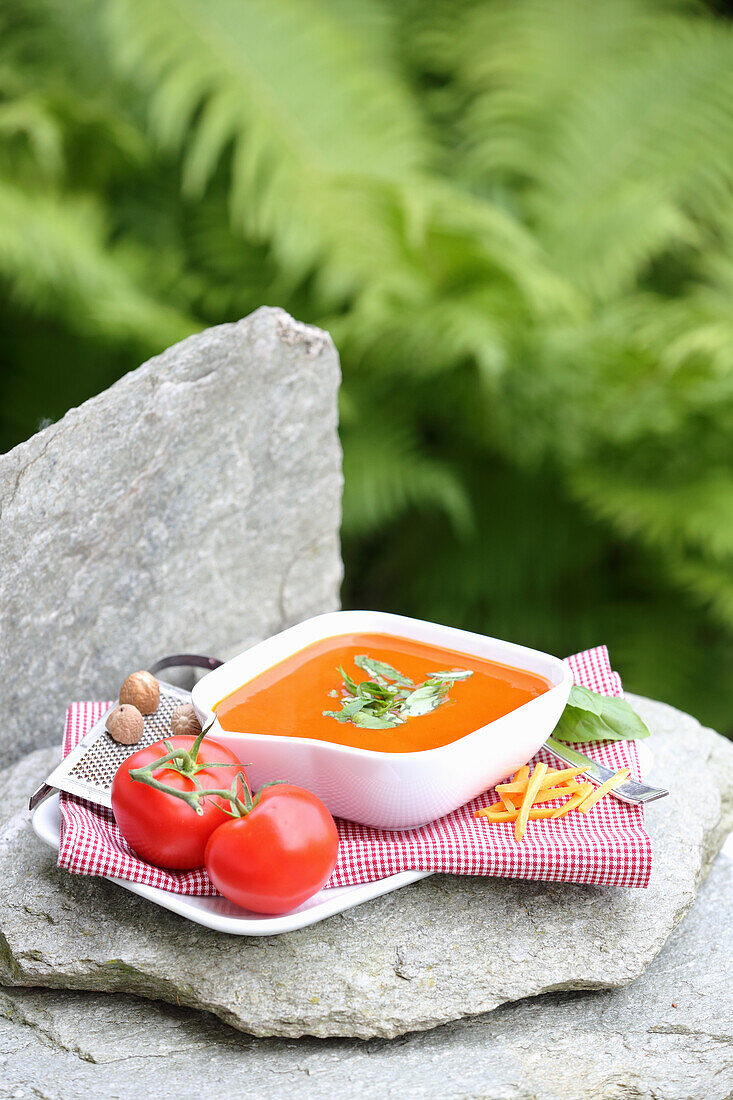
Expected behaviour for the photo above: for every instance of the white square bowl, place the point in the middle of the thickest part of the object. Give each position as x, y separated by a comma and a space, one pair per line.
385, 789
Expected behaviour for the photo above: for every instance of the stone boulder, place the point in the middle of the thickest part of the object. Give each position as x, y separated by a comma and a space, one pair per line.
193, 505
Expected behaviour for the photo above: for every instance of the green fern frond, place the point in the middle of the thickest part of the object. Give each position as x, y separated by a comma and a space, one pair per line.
689, 339
709, 583
696, 515
55, 257
616, 119
386, 475
27, 119
273, 81
689, 525
328, 155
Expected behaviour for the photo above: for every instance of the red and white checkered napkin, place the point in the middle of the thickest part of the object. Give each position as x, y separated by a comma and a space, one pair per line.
607, 846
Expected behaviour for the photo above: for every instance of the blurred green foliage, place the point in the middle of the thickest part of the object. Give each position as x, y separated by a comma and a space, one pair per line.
515, 217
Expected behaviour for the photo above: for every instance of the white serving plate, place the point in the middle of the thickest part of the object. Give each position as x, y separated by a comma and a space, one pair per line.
384, 789
223, 915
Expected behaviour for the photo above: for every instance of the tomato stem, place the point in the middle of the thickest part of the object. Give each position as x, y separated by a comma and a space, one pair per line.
145, 775
193, 798
197, 743
185, 761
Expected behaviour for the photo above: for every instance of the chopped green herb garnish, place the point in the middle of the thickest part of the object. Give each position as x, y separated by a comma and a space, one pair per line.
381, 670
389, 698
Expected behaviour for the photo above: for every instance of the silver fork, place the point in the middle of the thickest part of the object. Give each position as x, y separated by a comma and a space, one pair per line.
630, 791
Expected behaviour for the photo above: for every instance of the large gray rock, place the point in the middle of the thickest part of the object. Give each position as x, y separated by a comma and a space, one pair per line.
195, 501
666, 1037
440, 950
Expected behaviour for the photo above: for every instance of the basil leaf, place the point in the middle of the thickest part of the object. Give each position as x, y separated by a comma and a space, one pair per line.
422, 700
586, 699
592, 717
374, 721
349, 709
375, 691
381, 668
454, 675
348, 682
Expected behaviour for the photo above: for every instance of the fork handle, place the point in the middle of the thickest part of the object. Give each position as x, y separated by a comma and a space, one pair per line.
631, 791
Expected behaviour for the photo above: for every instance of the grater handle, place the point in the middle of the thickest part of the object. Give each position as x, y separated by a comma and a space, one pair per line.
40, 795
183, 660
176, 660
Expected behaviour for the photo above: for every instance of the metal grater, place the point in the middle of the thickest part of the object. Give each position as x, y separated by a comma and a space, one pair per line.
89, 769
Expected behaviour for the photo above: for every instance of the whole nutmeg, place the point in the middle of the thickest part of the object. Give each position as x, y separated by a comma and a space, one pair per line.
125, 724
184, 720
141, 690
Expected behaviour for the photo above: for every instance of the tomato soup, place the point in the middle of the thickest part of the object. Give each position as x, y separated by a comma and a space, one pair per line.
289, 699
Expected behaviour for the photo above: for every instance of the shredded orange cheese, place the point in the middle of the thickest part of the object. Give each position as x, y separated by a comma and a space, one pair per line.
533, 785
619, 777
552, 778
519, 798
584, 789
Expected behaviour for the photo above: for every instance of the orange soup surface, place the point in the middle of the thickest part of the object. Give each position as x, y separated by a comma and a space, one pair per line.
289, 698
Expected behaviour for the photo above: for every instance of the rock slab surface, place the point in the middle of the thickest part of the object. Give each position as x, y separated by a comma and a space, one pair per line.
440, 950
197, 499
669, 1036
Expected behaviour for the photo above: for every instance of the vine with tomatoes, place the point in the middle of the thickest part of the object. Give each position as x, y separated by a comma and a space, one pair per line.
181, 806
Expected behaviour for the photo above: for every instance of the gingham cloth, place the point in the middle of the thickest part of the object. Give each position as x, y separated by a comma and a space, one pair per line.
607, 846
